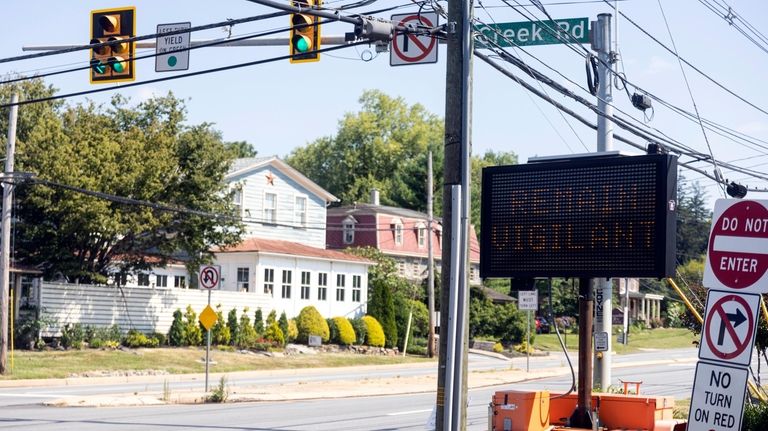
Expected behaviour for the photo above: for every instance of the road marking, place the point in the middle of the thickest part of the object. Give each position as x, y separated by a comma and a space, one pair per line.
32, 395
410, 412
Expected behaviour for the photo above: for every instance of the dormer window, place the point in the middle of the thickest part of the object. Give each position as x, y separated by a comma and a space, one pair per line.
421, 234
349, 230
397, 228
237, 201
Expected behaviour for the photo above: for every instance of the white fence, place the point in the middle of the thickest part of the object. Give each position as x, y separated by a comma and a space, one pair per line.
144, 309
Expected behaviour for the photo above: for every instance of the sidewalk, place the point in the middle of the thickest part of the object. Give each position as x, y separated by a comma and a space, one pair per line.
304, 390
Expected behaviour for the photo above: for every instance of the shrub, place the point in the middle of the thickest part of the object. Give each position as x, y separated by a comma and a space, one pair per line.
293, 331
220, 334
160, 338
345, 332
333, 331
72, 336
382, 307
755, 417
258, 321
27, 330
246, 334
360, 330
271, 317
274, 334
193, 336
310, 322
498, 348
220, 393
374, 333
283, 322
176, 333
232, 325
135, 339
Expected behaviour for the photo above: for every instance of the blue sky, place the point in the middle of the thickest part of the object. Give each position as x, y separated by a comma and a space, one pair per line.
258, 104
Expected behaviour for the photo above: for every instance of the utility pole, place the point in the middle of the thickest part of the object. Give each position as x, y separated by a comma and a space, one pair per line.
582, 415
452, 383
430, 262
604, 287
6, 233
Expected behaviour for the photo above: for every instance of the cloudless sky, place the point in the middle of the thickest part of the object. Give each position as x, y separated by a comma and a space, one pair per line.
280, 106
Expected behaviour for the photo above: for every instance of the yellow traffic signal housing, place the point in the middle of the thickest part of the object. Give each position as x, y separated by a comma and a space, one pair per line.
113, 62
305, 34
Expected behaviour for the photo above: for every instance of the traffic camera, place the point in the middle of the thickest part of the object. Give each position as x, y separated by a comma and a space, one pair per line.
113, 62
305, 33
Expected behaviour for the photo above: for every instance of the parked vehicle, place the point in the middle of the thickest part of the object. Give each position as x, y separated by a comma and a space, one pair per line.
542, 326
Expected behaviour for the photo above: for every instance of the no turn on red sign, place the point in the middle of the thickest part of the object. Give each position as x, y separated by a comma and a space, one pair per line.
737, 258
410, 48
728, 334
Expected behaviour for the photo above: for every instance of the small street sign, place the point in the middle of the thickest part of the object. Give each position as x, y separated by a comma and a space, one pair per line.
210, 276
728, 334
601, 341
410, 48
172, 53
208, 317
737, 259
528, 300
527, 33
717, 403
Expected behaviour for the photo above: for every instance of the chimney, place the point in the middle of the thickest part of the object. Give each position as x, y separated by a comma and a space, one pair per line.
374, 197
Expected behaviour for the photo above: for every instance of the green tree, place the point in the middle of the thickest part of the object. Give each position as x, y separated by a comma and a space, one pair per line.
220, 335
193, 336
283, 323
176, 336
233, 326
246, 334
144, 152
693, 221
490, 158
258, 321
240, 149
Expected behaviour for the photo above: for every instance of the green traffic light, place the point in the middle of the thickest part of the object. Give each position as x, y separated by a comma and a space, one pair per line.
118, 64
98, 67
302, 45
118, 67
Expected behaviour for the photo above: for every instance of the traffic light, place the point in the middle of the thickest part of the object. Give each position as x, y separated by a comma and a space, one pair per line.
305, 34
113, 62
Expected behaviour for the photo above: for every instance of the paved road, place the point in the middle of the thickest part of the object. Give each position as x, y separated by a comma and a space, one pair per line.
407, 412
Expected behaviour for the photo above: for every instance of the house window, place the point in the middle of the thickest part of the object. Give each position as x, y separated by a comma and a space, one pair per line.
401, 268
300, 211
357, 282
269, 281
398, 233
422, 235
340, 279
180, 281
286, 286
242, 279
270, 208
349, 230
161, 281
322, 286
143, 280
305, 284
237, 200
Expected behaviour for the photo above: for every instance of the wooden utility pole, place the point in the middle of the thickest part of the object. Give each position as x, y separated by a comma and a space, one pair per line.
5, 240
430, 262
454, 291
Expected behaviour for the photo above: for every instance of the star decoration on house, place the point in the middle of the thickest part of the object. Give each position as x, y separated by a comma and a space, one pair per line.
270, 179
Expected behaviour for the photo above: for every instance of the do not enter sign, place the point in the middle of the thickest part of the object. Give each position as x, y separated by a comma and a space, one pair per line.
737, 258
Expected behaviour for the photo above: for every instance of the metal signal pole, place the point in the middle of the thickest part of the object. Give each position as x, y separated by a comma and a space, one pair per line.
430, 262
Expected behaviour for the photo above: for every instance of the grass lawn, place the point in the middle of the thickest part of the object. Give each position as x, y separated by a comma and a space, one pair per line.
660, 338
59, 364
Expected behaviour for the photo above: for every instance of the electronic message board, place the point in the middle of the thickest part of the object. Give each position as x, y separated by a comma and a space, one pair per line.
596, 216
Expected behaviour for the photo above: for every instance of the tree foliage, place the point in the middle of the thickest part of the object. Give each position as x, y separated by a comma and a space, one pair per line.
693, 221
143, 152
374, 334
310, 322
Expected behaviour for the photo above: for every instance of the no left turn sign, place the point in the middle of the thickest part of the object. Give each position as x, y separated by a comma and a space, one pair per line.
410, 48
737, 258
728, 333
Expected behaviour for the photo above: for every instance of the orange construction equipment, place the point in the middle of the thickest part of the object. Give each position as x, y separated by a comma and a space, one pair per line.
617, 411
520, 411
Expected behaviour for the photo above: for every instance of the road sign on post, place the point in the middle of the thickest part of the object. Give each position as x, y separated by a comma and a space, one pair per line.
718, 398
737, 259
728, 334
172, 51
528, 300
409, 48
527, 33
210, 276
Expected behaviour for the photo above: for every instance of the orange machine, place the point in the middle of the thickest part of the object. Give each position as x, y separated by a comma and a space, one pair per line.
520, 411
618, 411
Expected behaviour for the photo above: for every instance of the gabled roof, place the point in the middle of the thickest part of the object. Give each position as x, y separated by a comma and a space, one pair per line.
243, 166
378, 209
275, 246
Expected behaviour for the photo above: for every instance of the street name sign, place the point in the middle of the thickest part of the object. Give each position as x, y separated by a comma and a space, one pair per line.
717, 403
210, 276
528, 33
737, 259
409, 48
528, 300
172, 52
728, 334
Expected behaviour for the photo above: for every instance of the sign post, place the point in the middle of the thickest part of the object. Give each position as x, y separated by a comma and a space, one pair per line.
736, 265
210, 277
528, 300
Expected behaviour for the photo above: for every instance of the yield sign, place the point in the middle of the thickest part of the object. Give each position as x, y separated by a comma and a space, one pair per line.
737, 258
729, 327
410, 48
